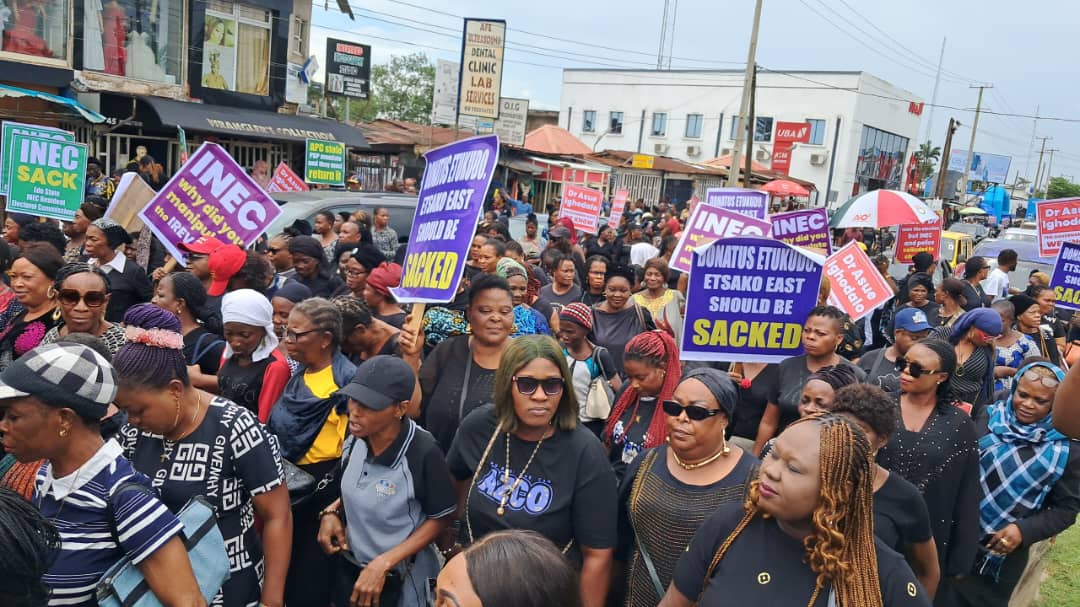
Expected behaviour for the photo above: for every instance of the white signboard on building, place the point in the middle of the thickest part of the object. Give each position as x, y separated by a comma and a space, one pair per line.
295, 89
481, 67
510, 127
444, 102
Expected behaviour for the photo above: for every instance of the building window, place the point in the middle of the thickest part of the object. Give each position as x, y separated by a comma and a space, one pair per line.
817, 131
39, 28
734, 128
659, 124
133, 40
299, 37
616, 123
236, 48
762, 129
693, 126
881, 160
588, 121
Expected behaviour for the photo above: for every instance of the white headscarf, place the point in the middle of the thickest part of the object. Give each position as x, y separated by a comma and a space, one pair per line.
250, 308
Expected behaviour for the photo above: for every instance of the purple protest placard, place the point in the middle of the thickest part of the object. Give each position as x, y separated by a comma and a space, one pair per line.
1066, 279
210, 195
807, 228
451, 200
747, 301
708, 224
747, 202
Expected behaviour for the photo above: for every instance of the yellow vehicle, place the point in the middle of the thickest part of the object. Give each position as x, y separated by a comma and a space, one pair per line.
956, 248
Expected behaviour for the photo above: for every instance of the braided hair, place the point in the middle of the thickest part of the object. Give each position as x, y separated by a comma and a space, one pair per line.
837, 376
840, 548
141, 365
31, 544
656, 349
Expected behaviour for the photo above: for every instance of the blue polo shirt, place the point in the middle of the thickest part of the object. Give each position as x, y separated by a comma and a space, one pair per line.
78, 505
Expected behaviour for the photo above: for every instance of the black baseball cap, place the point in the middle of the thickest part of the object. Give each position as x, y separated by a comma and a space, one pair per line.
381, 381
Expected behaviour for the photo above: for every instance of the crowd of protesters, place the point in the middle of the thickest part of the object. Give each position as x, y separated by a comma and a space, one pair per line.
537, 441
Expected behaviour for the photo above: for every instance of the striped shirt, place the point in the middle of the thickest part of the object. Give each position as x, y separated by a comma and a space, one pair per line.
78, 504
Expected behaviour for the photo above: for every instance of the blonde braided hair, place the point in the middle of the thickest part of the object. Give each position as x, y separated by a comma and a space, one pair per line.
840, 548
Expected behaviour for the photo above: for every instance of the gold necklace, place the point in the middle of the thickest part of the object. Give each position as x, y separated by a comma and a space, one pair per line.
166, 444
705, 462
501, 510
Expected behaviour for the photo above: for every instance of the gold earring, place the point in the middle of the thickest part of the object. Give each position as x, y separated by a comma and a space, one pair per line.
51, 293
725, 449
63, 432
56, 315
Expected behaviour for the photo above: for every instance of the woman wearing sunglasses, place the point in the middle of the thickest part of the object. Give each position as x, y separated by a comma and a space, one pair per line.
935, 449
33, 279
83, 293
637, 421
1029, 474
669, 491
973, 337
527, 463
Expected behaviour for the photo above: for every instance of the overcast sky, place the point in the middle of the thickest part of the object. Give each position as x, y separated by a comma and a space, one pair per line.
1022, 48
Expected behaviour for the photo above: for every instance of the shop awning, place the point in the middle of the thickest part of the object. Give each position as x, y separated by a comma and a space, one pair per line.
223, 120
521, 166
66, 103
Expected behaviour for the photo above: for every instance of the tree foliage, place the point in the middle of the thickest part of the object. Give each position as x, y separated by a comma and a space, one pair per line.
400, 90
926, 158
1059, 187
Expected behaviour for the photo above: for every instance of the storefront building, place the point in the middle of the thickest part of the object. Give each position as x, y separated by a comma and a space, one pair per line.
221, 71
861, 131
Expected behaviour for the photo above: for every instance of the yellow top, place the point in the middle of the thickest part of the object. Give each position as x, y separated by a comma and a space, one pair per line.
327, 445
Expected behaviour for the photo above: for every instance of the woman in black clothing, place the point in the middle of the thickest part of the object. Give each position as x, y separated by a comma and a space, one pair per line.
782, 547
821, 336
312, 268
128, 282
451, 388
1030, 477
184, 295
901, 520
32, 276
593, 293
935, 449
919, 292
973, 338
755, 383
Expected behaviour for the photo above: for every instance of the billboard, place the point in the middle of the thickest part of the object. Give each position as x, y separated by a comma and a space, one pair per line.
348, 68
513, 116
988, 168
481, 67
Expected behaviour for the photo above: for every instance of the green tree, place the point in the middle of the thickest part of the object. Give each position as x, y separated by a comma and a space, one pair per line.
926, 158
1059, 187
403, 88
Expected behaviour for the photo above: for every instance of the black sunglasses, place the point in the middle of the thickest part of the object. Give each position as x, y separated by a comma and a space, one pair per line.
694, 412
913, 368
528, 385
71, 297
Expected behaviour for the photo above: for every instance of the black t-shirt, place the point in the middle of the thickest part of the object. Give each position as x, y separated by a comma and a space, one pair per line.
765, 566
568, 492
394, 320
900, 515
787, 391
442, 377
549, 301
880, 371
752, 402
242, 384
203, 348
629, 433
973, 296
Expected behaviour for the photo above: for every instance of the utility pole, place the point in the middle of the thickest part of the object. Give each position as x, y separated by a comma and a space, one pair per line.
971, 146
1031, 146
748, 83
1038, 169
752, 126
943, 166
1049, 167
933, 96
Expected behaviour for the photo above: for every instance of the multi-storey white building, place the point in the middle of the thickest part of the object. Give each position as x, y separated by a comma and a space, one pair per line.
862, 130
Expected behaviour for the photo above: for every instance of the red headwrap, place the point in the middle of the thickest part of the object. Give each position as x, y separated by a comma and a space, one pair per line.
383, 277
568, 223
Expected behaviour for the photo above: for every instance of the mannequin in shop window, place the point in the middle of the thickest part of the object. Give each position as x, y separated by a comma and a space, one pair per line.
115, 28
22, 37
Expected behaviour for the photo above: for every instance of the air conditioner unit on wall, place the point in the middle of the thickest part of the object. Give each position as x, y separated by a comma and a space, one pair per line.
819, 159
763, 155
693, 150
725, 151
660, 148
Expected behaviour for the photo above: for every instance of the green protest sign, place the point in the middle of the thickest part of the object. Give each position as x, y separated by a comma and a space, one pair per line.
46, 177
10, 129
324, 162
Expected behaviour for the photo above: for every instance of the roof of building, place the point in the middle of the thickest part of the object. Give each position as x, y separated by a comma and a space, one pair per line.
552, 139
624, 159
725, 163
402, 133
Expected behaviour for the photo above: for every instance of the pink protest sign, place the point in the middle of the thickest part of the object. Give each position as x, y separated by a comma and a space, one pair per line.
857, 286
618, 206
709, 224
286, 180
582, 206
806, 228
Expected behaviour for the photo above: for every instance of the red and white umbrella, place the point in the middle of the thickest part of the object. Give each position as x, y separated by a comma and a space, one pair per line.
785, 187
882, 208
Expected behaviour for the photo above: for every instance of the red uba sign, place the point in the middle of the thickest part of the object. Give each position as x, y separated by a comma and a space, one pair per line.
781, 157
792, 132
